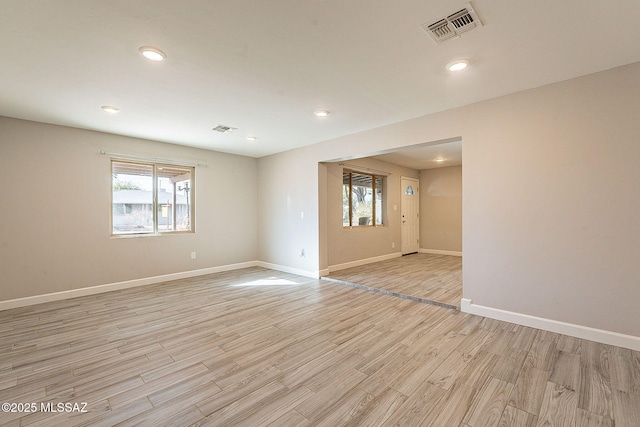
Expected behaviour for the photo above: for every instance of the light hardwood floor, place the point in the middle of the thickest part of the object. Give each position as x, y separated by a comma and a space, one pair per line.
256, 347
425, 277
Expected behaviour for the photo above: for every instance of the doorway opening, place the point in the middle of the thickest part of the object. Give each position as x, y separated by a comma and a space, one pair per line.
423, 220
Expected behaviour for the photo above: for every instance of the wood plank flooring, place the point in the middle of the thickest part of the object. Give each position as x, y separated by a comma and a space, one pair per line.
256, 347
422, 277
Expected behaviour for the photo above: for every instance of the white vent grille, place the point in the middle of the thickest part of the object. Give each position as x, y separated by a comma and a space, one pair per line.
224, 129
453, 25
440, 31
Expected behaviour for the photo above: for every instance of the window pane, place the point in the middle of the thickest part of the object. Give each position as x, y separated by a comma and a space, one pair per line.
183, 207
166, 214
174, 199
362, 199
345, 199
379, 201
132, 201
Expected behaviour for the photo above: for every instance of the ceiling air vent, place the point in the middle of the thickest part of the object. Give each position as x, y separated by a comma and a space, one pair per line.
453, 25
224, 129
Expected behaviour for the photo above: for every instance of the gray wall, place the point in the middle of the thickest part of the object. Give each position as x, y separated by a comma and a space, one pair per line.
550, 198
441, 209
55, 197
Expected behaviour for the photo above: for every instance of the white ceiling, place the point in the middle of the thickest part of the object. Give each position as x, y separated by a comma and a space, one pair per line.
265, 66
425, 156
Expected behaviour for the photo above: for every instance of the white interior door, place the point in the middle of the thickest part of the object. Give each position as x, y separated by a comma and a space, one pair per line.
410, 216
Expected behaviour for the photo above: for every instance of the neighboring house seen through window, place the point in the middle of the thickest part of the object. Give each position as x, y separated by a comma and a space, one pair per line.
151, 198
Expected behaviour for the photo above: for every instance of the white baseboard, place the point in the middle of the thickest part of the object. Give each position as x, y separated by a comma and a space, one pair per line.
439, 252
365, 261
578, 331
292, 270
74, 293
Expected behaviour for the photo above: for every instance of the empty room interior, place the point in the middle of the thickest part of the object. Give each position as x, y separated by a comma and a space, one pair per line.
319, 213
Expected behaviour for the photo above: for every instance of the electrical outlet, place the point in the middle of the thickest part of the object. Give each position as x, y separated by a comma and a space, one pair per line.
393, 245
193, 255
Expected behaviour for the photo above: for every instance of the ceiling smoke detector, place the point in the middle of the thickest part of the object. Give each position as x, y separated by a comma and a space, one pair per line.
453, 25
224, 129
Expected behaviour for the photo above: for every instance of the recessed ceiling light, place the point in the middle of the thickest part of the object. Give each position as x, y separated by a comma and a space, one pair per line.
110, 109
251, 138
152, 53
321, 113
458, 65
439, 160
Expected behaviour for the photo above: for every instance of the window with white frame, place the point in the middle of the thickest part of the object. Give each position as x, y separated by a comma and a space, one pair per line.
151, 198
362, 199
